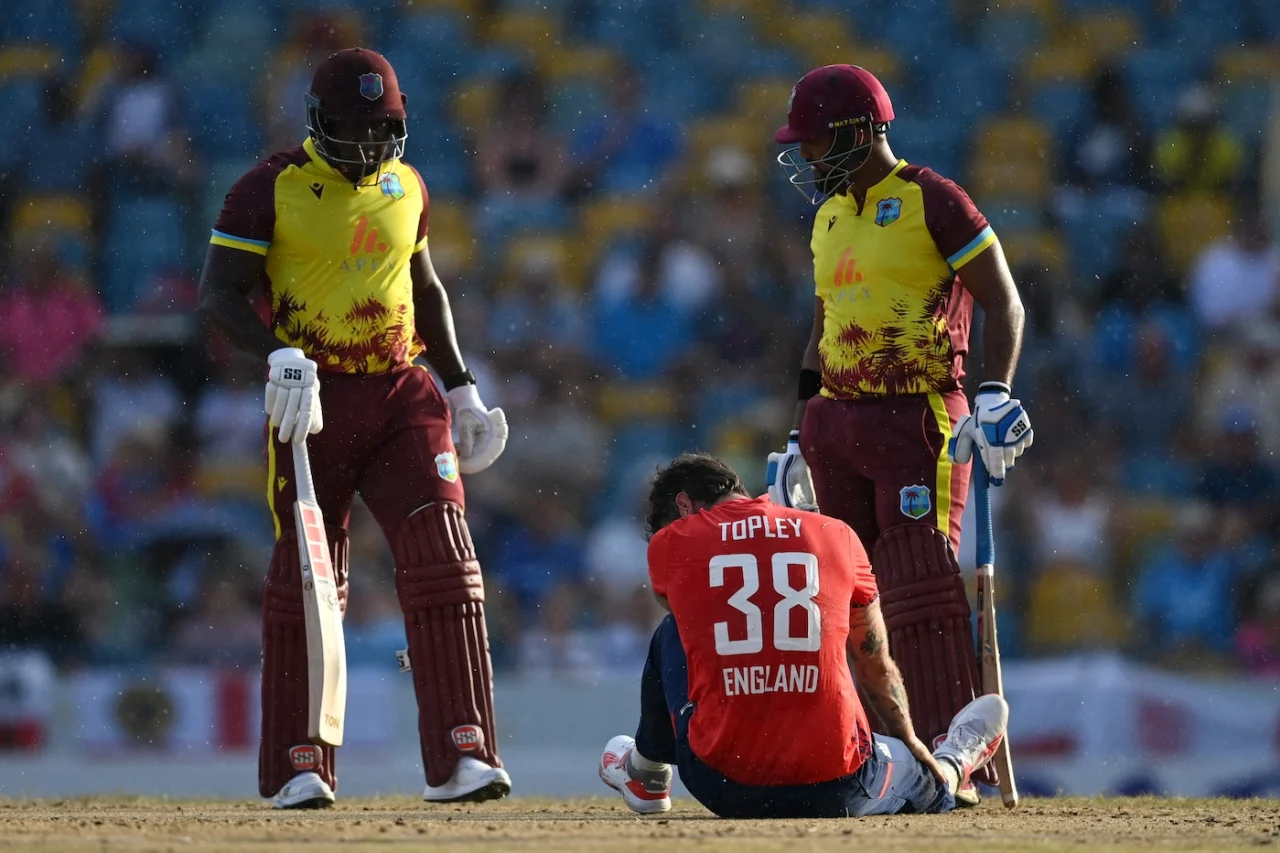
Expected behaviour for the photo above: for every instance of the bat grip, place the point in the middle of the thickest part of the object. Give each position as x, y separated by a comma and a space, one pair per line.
302, 473
986, 544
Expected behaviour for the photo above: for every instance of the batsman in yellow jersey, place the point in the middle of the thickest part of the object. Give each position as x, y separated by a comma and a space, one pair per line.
900, 253
335, 232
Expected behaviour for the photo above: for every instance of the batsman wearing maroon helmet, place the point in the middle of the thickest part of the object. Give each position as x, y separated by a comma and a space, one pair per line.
335, 232
899, 255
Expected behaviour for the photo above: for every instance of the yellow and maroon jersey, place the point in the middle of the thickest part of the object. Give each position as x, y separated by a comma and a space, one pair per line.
337, 256
896, 315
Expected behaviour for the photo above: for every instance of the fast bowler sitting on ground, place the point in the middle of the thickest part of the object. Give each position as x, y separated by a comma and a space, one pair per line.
747, 688
336, 232
899, 255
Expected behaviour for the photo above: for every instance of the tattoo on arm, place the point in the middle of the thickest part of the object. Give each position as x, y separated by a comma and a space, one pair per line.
871, 643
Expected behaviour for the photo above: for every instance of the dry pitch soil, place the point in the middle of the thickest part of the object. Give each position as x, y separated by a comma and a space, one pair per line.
524, 824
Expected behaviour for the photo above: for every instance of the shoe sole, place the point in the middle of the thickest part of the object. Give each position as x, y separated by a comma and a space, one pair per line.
968, 799
313, 803
495, 790
659, 810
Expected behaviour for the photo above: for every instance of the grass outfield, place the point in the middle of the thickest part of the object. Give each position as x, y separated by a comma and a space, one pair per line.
591, 823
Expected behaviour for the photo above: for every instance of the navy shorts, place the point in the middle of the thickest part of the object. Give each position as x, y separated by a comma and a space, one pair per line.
892, 781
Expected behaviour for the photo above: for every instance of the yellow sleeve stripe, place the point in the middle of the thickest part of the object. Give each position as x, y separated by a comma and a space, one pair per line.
420, 245
986, 237
258, 247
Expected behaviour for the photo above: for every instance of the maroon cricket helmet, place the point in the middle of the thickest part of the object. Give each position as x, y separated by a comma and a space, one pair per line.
832, 97
358, 84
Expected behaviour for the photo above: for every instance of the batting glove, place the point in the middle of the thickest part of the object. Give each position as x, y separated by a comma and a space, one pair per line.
999, 428
790, 483
480, 434
293, 394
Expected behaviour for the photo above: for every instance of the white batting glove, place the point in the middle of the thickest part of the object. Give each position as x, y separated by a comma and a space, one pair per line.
999, 428
293, 394
480, 434
790, 483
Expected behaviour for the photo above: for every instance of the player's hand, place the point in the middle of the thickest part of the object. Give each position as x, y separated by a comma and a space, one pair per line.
293, 394
480, 434
790, 483
925, 757
999, 428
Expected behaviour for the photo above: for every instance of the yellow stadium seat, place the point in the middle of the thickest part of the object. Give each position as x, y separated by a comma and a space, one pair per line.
22, 60
1188, 224
579, 63
469, 8
600, 222
1041, 248
1248, 64
806, 31
96, 66
1045, 10
449, 238
761, 13
1072, 608
475, 103
535, 32
535, 250
34, 214
628, 402
1106, 33
763, 102
1057, 64
880, 61
1011, 159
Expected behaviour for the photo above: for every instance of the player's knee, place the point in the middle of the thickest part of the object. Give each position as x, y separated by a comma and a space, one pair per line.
918, 575
435, 559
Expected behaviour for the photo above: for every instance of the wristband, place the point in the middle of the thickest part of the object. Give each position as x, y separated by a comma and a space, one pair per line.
995, 386
466, 377
810, 383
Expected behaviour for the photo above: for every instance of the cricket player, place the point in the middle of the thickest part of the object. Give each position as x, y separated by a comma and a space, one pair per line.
899, 255
747, 688
335, 231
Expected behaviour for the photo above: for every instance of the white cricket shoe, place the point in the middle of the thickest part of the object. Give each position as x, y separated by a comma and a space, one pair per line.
304, 791
974, 735
472, 781
644, 791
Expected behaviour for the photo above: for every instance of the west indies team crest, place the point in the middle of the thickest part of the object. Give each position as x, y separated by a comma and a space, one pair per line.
391, 186
447, 466
915, 501
371, 86
887, 211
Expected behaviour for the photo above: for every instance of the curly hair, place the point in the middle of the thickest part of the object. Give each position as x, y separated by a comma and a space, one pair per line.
701, 476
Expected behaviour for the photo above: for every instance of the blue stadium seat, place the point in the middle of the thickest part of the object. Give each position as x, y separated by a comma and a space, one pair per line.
494, 62
1006, 37
934, 142
54, 22
967, 86
168, 27
1156, 77
1265, 20
1013, 215
435, 44
719, 404
1247, 108
576, 104
1061, 106
440, 157
220, 118
145, 237
676, 87
1202, 27
20, 106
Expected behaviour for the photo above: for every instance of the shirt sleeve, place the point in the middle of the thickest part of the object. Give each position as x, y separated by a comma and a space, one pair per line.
865, 590
421, 241
958, 228
658, 563
248, 215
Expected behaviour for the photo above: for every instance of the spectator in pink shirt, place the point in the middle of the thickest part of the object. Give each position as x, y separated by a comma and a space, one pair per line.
48, 318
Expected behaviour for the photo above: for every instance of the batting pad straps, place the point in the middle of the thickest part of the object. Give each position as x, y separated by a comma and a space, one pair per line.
435, 559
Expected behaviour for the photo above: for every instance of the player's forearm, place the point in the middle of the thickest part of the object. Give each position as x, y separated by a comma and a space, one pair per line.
881, 683
1002, 339
231, 314
434, 320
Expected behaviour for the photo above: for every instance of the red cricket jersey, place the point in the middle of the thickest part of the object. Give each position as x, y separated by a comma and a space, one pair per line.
761, 595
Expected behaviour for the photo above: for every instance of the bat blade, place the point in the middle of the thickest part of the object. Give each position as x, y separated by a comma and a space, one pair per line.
326, 648
992, 680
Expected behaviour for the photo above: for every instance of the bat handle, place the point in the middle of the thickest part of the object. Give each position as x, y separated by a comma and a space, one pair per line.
302, 473
986, 544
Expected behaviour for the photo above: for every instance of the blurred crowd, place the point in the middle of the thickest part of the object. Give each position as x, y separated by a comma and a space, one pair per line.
630, 277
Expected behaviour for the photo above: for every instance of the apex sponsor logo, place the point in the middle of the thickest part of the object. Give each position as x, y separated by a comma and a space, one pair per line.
370, 253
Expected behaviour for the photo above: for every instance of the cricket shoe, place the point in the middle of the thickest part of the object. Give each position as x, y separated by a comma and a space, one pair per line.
974, 736
472, 781
644, 791
304, 791
967, 795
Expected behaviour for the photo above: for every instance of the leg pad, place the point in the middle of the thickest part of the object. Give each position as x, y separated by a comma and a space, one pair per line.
284, 750
442, 595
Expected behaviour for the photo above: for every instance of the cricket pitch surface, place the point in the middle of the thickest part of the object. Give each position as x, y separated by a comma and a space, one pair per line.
604, 824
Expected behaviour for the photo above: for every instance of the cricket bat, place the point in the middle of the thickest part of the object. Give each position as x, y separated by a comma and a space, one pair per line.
988, 644
326, 649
